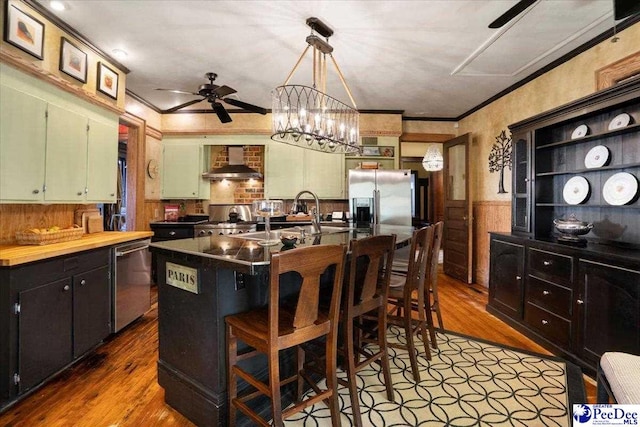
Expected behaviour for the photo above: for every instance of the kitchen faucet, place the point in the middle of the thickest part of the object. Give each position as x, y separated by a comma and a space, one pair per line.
315, 219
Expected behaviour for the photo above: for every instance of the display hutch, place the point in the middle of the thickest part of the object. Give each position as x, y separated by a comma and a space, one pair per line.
578, 296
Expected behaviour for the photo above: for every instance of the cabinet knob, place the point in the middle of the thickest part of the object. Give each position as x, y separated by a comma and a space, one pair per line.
66, 288
545, 292
526, 180
172, 233
113, 194
580, 302
545, 322
36, 191
518, 277
83, 282
79, 193
547, 263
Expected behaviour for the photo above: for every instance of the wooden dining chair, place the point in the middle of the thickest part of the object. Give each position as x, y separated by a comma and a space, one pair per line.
281, 326
365, 298
408, 295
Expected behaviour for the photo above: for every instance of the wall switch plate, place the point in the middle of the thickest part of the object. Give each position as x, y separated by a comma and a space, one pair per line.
239, 281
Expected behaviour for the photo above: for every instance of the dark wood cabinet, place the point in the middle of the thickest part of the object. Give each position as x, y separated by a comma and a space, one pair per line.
507, 272
91, 309
608, 310
44, 332
53, 312
579, 299
522, 188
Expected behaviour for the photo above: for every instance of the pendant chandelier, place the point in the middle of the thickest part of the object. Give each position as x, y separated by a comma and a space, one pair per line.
432, 160
307, 116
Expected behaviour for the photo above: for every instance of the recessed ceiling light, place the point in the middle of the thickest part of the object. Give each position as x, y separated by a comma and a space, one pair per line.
119, 54
57, 5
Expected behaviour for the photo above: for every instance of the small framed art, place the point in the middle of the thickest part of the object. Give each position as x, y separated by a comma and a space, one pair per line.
24, 31
107, 81
73, 61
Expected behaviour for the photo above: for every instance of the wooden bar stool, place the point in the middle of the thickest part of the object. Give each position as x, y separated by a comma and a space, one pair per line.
434, 307
281, 326
407, 294
365, 293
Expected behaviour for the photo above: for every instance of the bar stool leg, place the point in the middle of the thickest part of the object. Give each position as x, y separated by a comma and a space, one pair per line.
411, 348
232, 386
332, 380
423, 314
274, 387
384, 360
351, 372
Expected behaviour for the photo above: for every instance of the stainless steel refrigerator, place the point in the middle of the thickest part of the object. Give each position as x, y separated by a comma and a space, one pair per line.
380, 196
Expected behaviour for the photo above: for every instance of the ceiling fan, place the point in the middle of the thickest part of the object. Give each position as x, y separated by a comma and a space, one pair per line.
214, 93
516, 10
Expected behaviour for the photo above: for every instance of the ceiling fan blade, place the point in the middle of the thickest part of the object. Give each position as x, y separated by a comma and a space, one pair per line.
221, 112
246, 106
222, 91
179, 91
186, 104
511, 13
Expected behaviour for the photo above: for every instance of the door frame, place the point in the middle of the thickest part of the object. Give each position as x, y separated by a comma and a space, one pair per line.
136, 149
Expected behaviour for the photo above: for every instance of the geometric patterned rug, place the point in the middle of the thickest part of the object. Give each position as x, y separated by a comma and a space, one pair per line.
468, 382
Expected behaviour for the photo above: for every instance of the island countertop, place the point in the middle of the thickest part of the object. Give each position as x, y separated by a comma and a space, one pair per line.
247, 253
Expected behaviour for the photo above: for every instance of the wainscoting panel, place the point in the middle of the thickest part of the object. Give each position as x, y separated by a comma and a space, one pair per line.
488, 216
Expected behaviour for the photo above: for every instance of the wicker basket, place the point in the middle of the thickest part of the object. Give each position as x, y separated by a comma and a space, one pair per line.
64, 235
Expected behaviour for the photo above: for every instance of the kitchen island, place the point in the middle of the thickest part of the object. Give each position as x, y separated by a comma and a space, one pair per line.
202, 280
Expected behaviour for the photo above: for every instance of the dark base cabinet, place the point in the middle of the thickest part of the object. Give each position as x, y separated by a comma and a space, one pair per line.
53, 312
577, 302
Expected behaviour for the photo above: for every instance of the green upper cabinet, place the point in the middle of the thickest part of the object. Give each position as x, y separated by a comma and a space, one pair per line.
66, 155
182, 167
283, 169
54, 146
102, 155
22, 146
324, 174
290, 169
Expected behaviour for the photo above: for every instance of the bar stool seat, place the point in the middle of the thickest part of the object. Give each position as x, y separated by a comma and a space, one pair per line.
619, 378
285, 325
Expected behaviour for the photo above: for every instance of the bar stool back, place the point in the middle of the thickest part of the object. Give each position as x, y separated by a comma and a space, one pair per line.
365, 293
280, 326
408, 294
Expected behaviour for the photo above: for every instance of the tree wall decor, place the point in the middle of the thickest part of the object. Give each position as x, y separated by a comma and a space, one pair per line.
500, 157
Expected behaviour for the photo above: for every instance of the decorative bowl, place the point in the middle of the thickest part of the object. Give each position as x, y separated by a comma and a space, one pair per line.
572, 226
288, 240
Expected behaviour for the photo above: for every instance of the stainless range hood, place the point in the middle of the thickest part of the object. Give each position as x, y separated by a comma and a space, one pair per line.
236, 169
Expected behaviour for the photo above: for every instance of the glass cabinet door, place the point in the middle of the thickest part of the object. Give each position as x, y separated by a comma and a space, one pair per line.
521, 207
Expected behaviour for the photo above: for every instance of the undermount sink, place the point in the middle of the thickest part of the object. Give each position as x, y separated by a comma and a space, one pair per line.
291, 231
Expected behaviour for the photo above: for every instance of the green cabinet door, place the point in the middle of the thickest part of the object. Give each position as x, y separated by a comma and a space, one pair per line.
284, 170
324, 174
181, 171
22, 146
102, 161
66, 155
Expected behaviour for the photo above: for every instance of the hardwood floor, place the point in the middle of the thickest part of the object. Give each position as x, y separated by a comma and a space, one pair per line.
116, 385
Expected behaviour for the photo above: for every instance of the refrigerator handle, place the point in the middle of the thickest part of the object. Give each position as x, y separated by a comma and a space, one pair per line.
376, 206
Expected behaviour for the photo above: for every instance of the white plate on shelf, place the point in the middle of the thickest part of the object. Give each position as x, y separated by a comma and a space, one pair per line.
620, 189
576, 190
580, 132
597, 157
620, 121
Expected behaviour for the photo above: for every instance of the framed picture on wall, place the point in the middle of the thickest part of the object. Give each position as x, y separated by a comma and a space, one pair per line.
107, 81
24, 31
73, 61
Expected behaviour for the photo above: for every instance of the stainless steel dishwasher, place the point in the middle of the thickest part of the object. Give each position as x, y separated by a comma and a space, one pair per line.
131, 282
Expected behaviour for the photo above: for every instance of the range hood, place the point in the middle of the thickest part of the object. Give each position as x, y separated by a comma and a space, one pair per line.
236, 169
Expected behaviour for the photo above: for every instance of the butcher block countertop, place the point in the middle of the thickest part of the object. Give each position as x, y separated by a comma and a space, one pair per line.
11, 255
